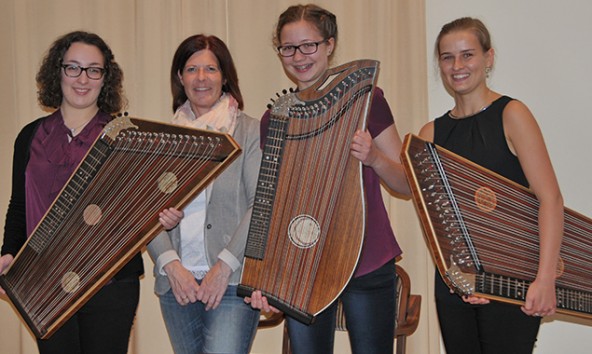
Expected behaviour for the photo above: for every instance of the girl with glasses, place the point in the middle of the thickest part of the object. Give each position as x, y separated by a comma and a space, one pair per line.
46, 153
306, 39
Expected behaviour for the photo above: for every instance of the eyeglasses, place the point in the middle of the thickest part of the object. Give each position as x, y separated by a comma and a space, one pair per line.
304, 48
92, 72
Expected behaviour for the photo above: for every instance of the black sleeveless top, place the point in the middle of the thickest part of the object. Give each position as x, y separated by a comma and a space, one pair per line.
480, 138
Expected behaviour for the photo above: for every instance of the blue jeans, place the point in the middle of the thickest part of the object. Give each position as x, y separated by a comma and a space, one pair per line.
369, 307
230, 328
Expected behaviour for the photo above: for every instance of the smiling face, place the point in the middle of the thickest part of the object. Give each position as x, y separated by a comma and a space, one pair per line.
81, 92
303, 69
463, 63
202, 80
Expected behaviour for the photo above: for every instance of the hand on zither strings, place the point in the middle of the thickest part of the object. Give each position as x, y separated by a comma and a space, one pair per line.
5, 261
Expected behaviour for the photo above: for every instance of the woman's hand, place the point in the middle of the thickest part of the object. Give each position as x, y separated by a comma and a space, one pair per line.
362, 147
258, 301
5, 262
169, 218
182, 283
214, 284
382, 155
540, 298
475, 300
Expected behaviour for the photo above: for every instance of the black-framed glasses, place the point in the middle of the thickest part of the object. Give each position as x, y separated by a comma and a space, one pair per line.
92, 72
304, 48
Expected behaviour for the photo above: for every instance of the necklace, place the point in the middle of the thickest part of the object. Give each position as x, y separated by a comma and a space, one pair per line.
78, 128
451, 115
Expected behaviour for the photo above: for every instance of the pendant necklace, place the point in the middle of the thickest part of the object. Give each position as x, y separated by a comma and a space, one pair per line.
78, 128
468, 115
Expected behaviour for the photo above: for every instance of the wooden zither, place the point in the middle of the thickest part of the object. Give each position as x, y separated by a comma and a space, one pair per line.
482, 230
307, 225
107, 211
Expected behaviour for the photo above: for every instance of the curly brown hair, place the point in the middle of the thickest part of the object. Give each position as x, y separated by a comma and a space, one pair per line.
111, 99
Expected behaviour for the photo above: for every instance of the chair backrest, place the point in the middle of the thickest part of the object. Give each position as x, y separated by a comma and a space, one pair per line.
409, 308
270, 319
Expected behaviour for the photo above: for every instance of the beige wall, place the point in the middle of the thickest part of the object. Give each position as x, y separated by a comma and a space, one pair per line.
542, 58
144, 34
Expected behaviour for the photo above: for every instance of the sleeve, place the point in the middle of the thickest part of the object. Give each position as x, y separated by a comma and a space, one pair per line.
234, 251
380, 116
161, 250
15, 226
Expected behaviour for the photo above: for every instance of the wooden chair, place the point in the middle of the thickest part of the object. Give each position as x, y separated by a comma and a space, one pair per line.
270, 319
409, 307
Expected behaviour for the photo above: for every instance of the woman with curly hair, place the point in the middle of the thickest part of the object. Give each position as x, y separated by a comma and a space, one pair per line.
81, 82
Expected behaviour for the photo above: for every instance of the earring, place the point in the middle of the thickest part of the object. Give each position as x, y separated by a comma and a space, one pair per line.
487, 71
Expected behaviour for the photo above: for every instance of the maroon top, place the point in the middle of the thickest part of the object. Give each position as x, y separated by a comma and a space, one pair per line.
380, 245
53, 158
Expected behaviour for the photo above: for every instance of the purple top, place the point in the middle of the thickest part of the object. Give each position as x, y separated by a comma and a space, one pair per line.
380, 245
53, 158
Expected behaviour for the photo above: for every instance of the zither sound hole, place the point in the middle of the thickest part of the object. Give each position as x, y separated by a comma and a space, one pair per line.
304, 231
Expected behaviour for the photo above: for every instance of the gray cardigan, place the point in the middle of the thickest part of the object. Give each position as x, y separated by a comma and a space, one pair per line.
228, 212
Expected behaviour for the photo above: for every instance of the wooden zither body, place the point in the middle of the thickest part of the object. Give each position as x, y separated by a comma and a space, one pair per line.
482, 230
307, 225
107, 211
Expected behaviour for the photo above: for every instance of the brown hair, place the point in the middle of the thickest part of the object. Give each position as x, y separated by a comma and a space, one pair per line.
193, 45
324, 21
111, 99
462, 24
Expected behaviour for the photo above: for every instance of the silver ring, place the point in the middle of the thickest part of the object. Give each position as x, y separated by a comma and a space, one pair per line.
537, 315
